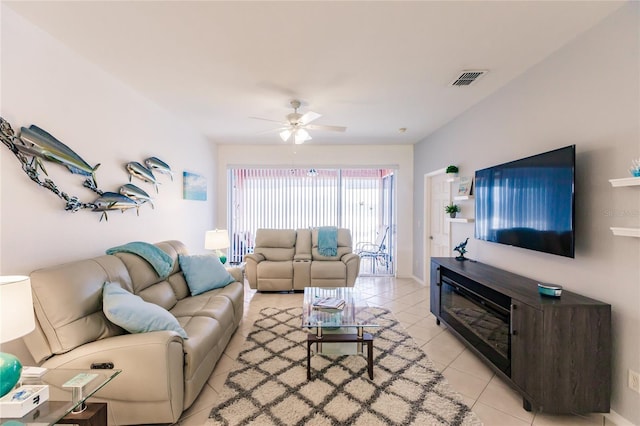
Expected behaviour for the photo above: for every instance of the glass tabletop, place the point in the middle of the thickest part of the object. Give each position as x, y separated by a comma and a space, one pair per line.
61, 400
354, 313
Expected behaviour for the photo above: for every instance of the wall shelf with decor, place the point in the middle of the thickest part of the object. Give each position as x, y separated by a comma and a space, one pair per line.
630, 181
464, 194
625, 232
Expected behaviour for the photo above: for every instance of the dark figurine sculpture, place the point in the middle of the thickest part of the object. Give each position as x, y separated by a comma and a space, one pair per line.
461, 248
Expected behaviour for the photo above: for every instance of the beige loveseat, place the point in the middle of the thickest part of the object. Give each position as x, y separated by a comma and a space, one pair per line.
162, 373
289, 260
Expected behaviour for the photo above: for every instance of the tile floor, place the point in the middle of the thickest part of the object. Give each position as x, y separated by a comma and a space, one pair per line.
493, 400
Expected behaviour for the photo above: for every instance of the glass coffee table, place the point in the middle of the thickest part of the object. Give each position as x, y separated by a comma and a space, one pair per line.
344, 325
62, 401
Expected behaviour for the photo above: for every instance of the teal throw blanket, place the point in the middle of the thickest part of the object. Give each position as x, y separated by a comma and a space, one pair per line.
328, 240
161, 261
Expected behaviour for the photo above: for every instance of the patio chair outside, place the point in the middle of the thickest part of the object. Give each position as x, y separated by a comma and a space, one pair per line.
376, 251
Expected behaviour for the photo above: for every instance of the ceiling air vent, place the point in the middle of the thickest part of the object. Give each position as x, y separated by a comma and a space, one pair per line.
467, 77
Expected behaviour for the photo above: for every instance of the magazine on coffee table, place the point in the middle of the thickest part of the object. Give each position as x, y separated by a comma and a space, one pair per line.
329, 303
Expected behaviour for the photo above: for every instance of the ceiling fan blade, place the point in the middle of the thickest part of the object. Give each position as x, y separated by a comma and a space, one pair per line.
267, 119
322, 127
309, 116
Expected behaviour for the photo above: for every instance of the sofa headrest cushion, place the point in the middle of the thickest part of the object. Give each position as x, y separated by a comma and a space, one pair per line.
135, 315
204, 273
276, 238
276, 244
67, 301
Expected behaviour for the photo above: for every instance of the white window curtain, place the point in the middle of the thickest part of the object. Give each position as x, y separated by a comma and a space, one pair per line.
358, 199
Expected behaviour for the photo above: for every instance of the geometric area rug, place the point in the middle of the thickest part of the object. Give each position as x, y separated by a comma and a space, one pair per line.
268, 384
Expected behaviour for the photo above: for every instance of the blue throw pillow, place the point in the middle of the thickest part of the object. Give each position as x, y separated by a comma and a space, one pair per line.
204, 273
135, 315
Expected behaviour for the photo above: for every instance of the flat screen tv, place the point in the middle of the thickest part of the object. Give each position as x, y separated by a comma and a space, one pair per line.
529, 203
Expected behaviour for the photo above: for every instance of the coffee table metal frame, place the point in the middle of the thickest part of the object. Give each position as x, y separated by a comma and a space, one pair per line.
352, 315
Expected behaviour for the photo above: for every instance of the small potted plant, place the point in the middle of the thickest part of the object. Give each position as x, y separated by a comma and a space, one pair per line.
452, 209
452, 170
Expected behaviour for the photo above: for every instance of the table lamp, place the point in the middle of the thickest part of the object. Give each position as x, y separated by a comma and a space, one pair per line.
217, 240
16, 320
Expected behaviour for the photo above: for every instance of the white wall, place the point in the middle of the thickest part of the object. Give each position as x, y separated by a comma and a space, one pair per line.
104, 121
309, 155
588, 94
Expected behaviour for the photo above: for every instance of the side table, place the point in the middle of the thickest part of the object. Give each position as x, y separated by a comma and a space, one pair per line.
62, 401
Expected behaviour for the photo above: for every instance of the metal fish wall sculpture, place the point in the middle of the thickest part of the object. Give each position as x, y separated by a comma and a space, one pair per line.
157, 165
132, 191
29, 153
35, 146
141, 172
39, 143
113, 201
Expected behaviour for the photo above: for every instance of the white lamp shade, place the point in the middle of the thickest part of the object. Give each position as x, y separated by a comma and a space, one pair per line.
217, 239
16, 307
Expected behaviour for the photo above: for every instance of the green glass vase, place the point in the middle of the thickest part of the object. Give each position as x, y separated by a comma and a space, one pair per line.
10, 369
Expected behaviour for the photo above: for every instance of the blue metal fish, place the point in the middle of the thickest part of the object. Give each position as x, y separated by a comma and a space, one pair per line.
39, 143
141, 172
157, 165
132, 191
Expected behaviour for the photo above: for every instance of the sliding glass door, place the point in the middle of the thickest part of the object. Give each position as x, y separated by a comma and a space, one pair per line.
358, 199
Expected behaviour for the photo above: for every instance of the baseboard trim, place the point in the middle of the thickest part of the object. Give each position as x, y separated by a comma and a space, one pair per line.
421, 281
614, 418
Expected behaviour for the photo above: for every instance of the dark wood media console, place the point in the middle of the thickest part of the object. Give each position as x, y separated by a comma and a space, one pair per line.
559, 349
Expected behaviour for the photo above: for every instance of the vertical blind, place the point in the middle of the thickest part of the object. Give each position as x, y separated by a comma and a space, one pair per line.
358, 199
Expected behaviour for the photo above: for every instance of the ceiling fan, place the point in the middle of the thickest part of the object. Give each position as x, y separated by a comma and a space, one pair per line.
297, 125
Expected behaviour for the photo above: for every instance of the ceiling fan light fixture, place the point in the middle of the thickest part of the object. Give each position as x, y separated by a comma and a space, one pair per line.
285, 135
297, 124
301, 135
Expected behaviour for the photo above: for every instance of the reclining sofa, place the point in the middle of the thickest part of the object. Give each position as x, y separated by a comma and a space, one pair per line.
162, 373
290, 260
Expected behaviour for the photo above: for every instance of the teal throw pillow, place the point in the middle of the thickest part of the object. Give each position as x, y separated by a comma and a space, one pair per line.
135, 315
204, 273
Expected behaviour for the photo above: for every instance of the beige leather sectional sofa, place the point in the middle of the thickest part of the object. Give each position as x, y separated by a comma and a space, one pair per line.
162, 374
289, 260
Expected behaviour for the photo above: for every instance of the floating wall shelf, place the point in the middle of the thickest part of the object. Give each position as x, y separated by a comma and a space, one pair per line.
461, 220
463, 197
625, 232
630, 181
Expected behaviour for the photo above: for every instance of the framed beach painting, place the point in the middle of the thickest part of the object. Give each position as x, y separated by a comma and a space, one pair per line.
194, 186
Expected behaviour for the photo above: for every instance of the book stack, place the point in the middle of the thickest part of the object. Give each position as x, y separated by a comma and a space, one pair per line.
328, 303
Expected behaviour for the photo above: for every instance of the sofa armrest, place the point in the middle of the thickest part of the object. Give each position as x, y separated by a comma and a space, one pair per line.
152, 366
251, 268
253, 257
352, 261
349, 257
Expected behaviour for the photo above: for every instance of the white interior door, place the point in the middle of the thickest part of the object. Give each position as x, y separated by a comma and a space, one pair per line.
439, 238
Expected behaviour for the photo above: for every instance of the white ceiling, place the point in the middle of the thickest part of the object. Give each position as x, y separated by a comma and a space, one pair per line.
373, 67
